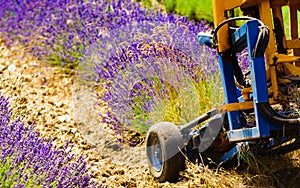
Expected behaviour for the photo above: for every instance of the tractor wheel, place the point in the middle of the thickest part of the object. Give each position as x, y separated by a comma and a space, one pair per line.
164, 155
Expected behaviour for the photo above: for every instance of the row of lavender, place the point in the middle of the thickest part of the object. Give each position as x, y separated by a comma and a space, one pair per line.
150, 63
64, 28
27, 160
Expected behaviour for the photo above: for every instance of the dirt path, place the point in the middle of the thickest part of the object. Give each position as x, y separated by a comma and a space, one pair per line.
85, 110
63, 109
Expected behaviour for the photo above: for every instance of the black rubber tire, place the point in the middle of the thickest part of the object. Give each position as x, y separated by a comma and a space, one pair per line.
164, 155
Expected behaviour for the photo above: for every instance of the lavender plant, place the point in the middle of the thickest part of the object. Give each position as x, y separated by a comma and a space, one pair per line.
28, 160
153, 71
61, 29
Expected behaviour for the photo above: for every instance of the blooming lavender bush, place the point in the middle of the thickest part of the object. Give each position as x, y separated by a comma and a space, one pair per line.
154, 70
27, 160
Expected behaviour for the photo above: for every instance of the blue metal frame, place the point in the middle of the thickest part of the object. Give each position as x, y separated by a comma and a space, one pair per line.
230, 90
246, 36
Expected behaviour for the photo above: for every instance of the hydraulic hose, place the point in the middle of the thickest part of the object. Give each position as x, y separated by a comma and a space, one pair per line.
271, 115
262, 42
237, 71
215, 38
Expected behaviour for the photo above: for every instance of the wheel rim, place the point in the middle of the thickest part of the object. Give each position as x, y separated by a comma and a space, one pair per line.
156, 155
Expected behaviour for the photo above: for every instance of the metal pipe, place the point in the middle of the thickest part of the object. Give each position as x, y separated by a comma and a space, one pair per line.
270, 114
198, 120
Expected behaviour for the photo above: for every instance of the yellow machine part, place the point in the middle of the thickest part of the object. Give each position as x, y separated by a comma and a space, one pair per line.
291, 70
276, 62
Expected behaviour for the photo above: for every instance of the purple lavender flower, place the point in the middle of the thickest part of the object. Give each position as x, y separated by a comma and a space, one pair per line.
27, 159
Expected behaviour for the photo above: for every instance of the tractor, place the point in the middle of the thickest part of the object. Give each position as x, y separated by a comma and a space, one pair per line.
261, 108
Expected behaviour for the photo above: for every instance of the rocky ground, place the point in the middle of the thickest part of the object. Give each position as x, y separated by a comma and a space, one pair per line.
64, 108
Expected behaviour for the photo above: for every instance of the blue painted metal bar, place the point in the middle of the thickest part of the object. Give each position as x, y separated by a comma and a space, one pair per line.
259, 79
230, 89
243, 134
239, 39
230, 154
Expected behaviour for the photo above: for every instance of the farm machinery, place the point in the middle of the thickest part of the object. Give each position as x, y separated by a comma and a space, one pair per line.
261, 109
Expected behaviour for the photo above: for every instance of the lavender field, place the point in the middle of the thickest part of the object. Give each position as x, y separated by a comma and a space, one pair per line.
145, 66
112, 43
